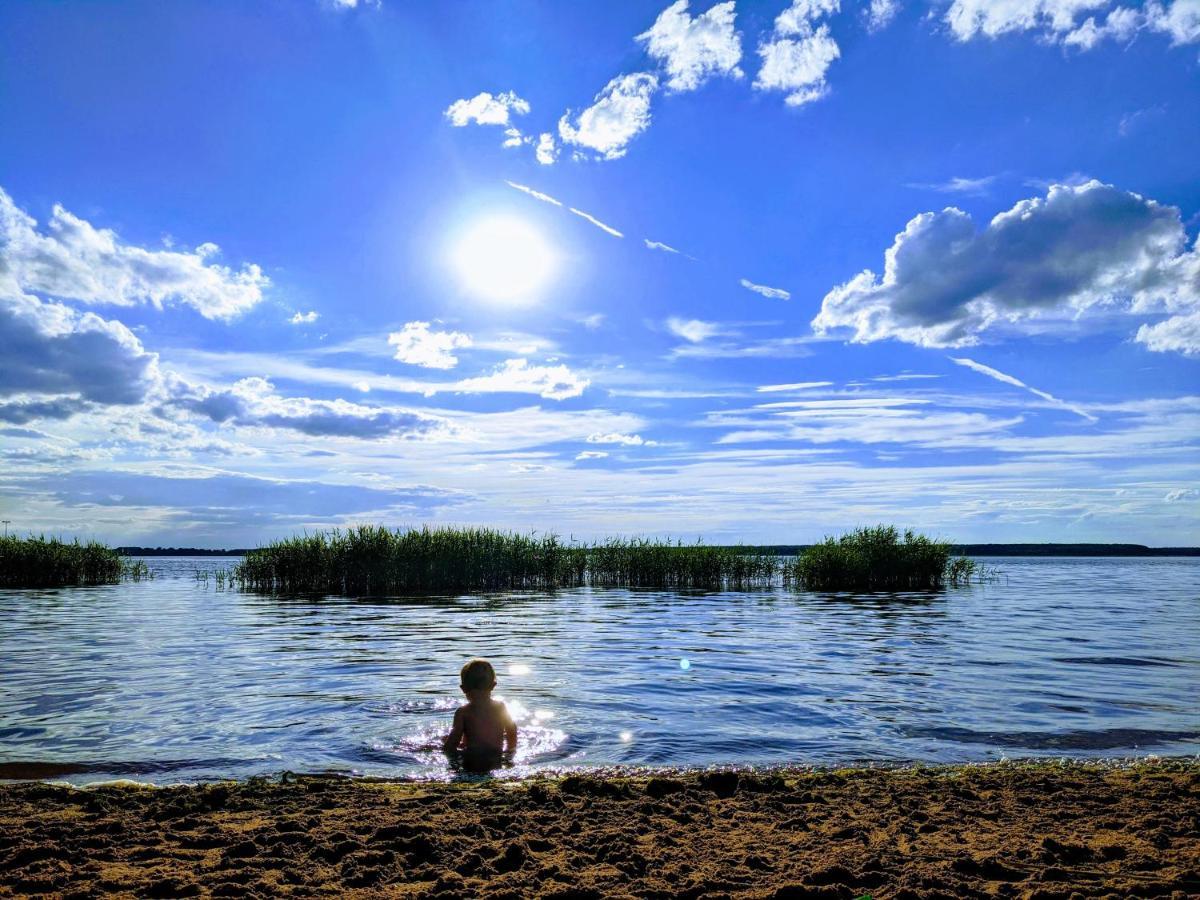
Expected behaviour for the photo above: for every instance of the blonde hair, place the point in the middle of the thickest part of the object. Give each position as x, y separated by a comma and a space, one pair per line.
478, 674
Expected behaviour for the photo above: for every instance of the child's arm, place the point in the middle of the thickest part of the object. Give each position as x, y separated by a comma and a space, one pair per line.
510, 733
454, 738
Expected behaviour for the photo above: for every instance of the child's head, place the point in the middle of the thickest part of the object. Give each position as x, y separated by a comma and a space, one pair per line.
478, 676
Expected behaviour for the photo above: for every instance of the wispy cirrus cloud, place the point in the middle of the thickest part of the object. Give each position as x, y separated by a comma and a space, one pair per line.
693, 330
1016, 382
956, 185
536, 195
772, 293
601, 225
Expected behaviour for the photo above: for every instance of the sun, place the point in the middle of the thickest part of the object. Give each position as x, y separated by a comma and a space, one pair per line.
503, 258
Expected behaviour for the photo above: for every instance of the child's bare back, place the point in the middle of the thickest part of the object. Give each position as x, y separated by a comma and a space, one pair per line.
483, 730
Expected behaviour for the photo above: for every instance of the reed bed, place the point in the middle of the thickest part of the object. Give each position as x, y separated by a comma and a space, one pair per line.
373, 560
36, 562
880, 558
376, 560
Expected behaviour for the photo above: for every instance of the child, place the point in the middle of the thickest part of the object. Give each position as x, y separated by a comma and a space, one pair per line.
482, 729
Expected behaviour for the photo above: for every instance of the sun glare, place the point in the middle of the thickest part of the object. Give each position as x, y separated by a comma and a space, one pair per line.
503, 258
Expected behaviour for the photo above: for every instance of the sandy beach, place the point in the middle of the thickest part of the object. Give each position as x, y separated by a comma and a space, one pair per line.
1008, 830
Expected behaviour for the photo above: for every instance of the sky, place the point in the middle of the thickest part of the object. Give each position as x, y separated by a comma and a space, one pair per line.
745, 271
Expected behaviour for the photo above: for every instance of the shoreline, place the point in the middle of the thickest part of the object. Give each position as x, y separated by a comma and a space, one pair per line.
1012, 829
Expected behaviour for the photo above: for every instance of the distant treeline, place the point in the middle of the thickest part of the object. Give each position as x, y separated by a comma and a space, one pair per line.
177, 551
797, 549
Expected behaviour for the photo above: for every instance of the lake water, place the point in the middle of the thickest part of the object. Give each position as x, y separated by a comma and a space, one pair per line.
170, 680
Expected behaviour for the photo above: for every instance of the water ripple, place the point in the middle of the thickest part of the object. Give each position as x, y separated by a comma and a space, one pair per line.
168, 680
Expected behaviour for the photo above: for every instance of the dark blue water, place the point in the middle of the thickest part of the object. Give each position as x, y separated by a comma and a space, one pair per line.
171, 680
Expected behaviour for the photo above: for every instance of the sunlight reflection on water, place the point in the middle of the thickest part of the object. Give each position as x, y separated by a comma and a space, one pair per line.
167, 680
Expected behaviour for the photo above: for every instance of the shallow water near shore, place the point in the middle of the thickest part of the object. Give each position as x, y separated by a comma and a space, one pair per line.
172, 680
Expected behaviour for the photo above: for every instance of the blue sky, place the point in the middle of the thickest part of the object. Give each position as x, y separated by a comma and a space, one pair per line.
741, 271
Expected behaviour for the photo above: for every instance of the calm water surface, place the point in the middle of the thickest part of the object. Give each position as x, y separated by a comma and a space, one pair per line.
170, 680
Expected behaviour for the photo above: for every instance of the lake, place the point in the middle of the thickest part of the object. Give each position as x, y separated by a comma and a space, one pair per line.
173, 680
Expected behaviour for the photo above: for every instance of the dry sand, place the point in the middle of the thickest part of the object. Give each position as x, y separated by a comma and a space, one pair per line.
990, 831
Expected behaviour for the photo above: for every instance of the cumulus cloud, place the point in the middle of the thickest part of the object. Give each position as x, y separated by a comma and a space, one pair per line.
1178, 334
417, 345
519, 377
254, 402
881, 12
693, 330
692, 50
1180, 494
769, 292
546, 150
305, 318
74, 260
486, 109
591, 454
799, 52
1080, 248
618, 114
19, 412
1064, 20
51, 349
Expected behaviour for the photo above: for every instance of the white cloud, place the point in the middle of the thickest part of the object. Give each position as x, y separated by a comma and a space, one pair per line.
1016, 382
537, 195
596, 222
253, 402
694, 330
417, 345
616, 437
659, 245
592, 321
618, 114
305, 318
881, 12
956, 185
485, 109
1181, 494
1063, 20
797, 386
799, 52
57, 360
591, 454
546, 151
692, 50
1178, 334
518, 376
769, 292
1090, 248
74, 260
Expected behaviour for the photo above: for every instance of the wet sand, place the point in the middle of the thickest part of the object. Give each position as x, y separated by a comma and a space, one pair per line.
1034, 831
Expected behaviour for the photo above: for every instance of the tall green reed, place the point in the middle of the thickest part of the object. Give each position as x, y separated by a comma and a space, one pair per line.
32, 562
